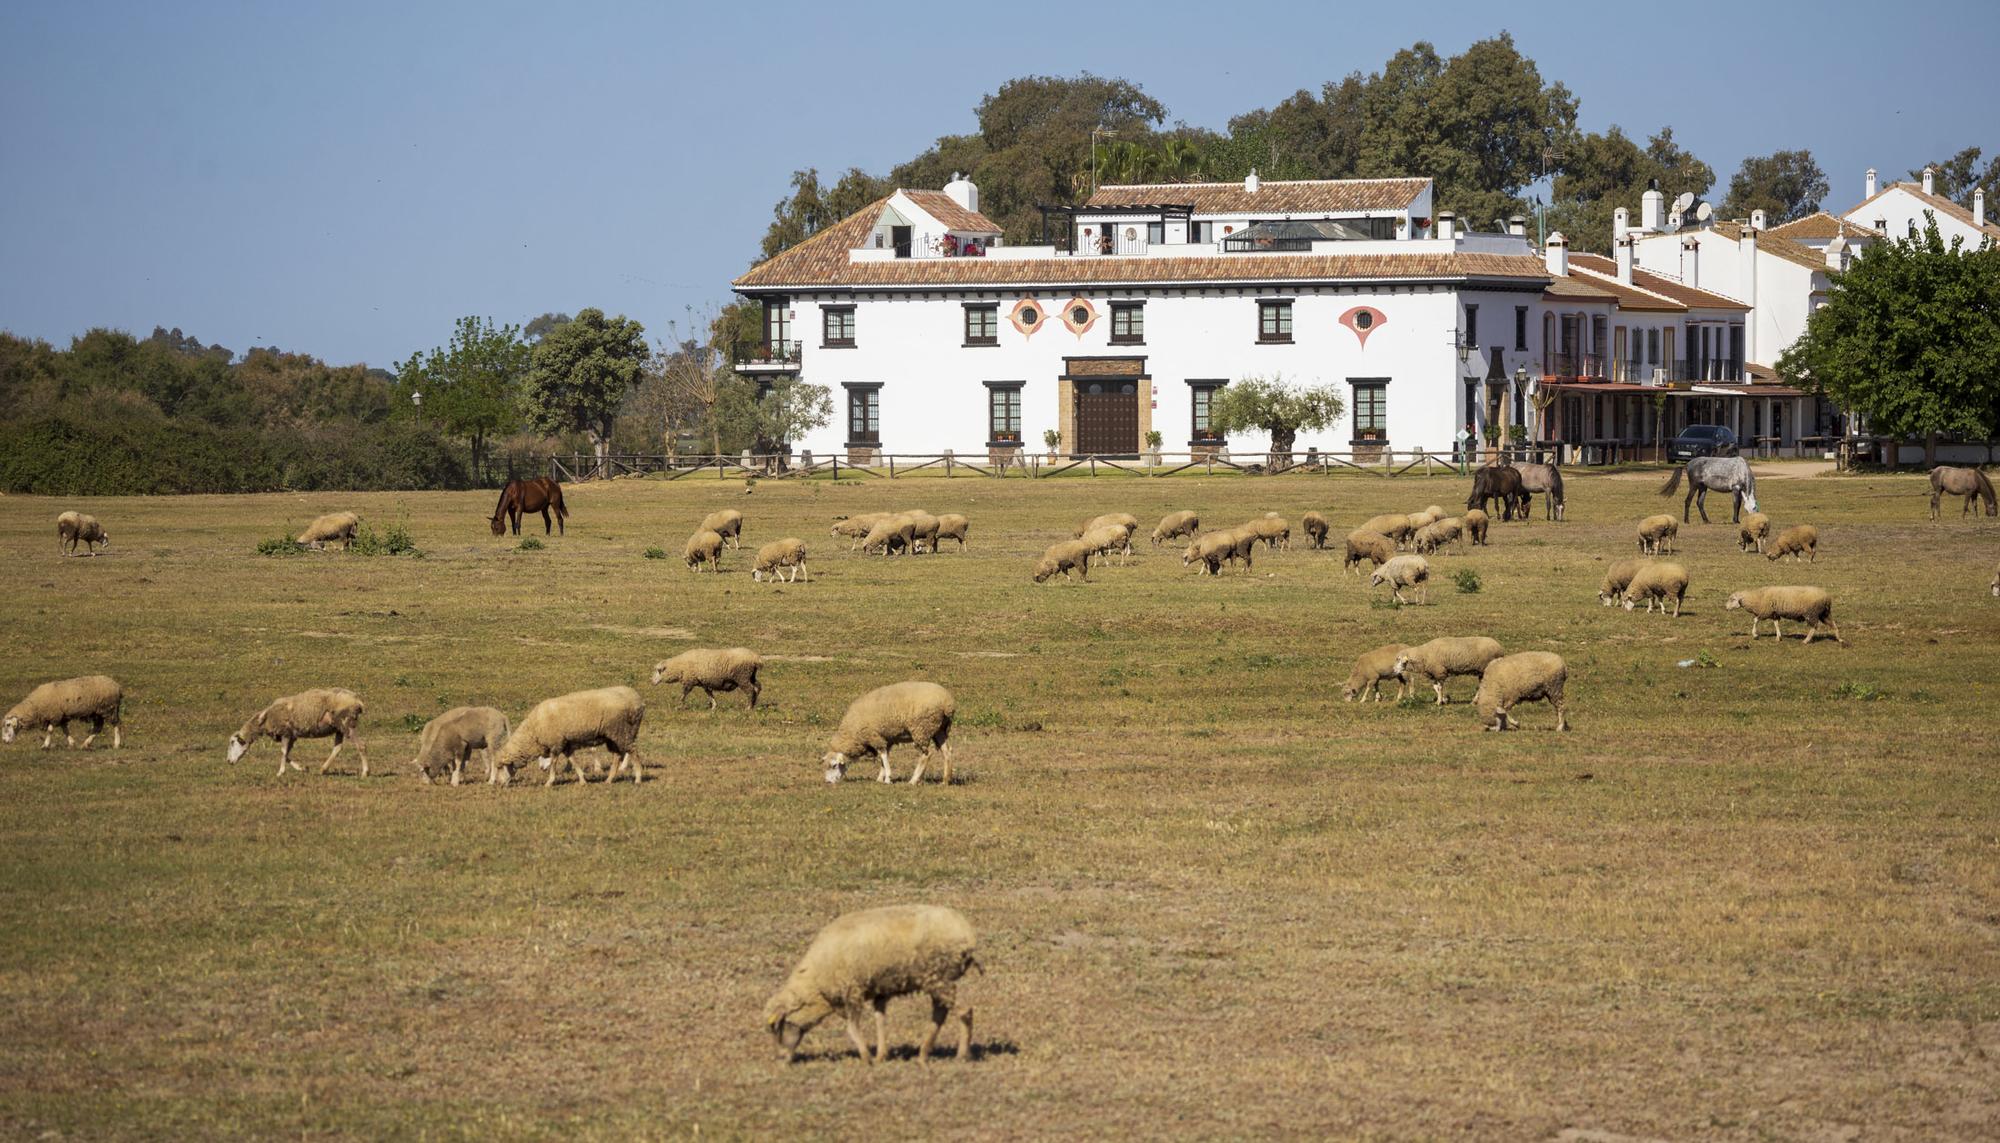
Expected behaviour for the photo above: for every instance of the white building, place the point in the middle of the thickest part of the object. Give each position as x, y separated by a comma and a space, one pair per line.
1901, 209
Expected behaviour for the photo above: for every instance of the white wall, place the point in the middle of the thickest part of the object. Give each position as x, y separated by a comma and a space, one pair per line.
1902, 210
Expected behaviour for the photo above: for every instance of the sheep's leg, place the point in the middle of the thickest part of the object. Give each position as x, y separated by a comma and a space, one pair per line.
549, 764
940, 1012
923, 760
1836, 629
685, 688
96, 728
1753, 627
881, 1028
338, 742
117, 737
581, 777
1677, 607
632, 758
1438, 689
860, 1043
1562, 720
711, 696
944, 750
1811, 630
964, 1035
885, 775
48, 734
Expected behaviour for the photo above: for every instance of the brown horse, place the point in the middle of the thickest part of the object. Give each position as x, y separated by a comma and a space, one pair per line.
529, 496
1966, 482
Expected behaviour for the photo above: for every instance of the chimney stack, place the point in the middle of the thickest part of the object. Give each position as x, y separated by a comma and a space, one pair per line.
1691, 261
1836, 253
1557, 255
963, 191
1621, 221
1447, 225
1250, 182
1624, 245
1979, 206
1757, 219
1871, 183
1517, 225
1928, 179
1652, 207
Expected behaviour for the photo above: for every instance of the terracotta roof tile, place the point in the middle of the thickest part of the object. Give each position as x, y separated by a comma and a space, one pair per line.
1575, 289
945, 209
1659, 286
828, 266
1299, 197
1819, 225
1776, 245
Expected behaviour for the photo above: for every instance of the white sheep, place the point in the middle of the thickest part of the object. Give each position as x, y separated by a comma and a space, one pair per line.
1123, 520
1996, 581
1395, 525
1064, 556
1438, 660
727, 523
1212, 549
333, 526
1315, 526
1369, 671
447, 743
1371, 546
856, 528
55, 705
923, 530
73, 528
1174, 525
1518, 678
891, 534
919, 713
1809, 605
319, 713
713, 669
1795, 541
1476, 524
1273, 529
1756, 527
1656, 535
780, 556
1108, 538
865, 959
1404, 571
1658, 583
953, 526
1617, 578
559, 727
704, 547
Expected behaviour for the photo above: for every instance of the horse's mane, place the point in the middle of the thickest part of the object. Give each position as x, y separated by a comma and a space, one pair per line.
1985, 486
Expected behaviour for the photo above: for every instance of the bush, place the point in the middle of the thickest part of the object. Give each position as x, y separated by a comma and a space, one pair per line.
280, 546
1466, 579
393, 540
656, 553
529, 544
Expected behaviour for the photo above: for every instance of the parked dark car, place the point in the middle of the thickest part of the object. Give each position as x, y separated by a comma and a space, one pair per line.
1702, 440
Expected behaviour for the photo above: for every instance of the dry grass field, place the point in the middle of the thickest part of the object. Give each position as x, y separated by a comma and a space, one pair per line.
1753, 897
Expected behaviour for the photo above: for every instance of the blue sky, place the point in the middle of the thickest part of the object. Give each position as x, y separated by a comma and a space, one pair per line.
346, 179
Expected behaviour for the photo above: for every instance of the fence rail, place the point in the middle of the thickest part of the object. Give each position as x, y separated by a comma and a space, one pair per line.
580, 467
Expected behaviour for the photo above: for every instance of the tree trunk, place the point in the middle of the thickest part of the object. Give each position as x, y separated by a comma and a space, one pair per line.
1930, 451
1281, 449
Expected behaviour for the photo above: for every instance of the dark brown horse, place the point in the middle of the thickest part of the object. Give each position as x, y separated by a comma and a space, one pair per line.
529, 496
1967, 482
1501, 482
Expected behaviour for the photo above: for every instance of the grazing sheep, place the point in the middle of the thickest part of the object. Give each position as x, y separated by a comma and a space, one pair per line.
1440, 659
559, 727
1109, 538
1518, 678
856, 528
328, 528
1657, 582
1438, 534
1420, 520
867, 958
1617, 578
55, 705
780, 556
704, 547
448, 741
727, 523
1273, 529
1809, 605
1395, 525
1996, 581
915, 712
1365, 545
891, 534
1369, 671
317, 713
73, 528
1064, 557
923, 530
1174, 525
1795, 541
1401, 572
1476, 523
952, 526
1226, 545
1656, 535
1315, 527
1756, 526
712, 669
1123, 520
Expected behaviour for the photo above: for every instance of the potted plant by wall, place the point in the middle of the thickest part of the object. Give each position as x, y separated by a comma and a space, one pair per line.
1053, 440
1517, 441
1492, 434
1153, 439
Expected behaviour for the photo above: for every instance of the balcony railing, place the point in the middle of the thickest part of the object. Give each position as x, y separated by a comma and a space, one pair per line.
773, 355
1575, 366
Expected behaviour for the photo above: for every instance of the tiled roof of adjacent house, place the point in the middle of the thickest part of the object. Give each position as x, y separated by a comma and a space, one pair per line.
1776, 245
1652, 288
1576, 289
1936, 202
1299, 197
945, 209
1820, 225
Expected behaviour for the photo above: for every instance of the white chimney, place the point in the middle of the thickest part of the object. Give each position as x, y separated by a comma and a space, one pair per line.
1871, 183
1928, 179
1250, 181
1447, 225
1624, 251
1691, 261
1747, 282
1757, 219
1557, 255
1517, 225
1652, 208
1621, 221
1836, 253
963, 191
1979, 206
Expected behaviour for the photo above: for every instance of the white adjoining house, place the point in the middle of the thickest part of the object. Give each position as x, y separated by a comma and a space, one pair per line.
1901, 209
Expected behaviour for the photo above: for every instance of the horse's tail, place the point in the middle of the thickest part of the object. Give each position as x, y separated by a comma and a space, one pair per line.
1673, 482
1937, 478
1749, 485
555, 499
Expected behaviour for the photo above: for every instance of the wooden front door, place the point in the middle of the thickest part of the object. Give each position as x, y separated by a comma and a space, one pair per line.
1107, 417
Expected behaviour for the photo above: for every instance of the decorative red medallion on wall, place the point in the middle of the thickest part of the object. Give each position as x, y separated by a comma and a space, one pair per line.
1028, 317
1363, 320
1079, 315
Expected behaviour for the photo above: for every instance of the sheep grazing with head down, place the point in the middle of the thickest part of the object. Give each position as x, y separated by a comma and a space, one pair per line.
890, 535
324, 712
1315, 526
856, 528
447, 743
1617, 578
1395, 525
73, 528
1421, 520
1522, 677
1438, 534
334, 526
704, 547
1273, 529
1369, 671
1404, 571
1795, 541
727, 523
1371, 546
779, 557
712, 669
952, 526
923, 530
1227, 545
1657, 583
1809, 605
1476, 523
1174, 525
1438, 660
1107, 539
1756, 527
919, 713
97, 699
1064, 557
559, 727
865, 959
1656, 535
1123, 520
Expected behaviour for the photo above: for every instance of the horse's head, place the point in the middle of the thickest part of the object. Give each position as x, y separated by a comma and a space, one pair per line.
498, 527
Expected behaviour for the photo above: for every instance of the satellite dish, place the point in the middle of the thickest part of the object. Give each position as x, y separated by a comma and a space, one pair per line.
1704, 212
1683, 202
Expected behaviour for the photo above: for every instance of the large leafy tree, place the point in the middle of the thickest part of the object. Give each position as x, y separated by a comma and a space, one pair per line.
812, 207
1601, 173
1957, 177
580, 374
471, 386
1282, 410
1910, 339
1785, 185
